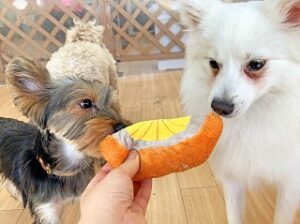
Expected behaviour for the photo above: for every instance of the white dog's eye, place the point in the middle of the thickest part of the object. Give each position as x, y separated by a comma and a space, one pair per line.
256, 65
214, 64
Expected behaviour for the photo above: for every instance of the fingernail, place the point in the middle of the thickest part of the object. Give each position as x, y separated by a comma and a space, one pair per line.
132, 154
106, 168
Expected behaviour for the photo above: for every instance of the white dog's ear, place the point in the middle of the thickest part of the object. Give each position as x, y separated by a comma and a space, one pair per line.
193, 11
286, 11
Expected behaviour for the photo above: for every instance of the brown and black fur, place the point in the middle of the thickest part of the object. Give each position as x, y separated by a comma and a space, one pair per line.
69, 118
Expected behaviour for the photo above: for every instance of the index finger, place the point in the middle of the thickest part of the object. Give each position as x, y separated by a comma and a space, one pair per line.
99, 176
143, 194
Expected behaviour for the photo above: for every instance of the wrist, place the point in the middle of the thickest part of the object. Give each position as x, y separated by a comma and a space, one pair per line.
87, 221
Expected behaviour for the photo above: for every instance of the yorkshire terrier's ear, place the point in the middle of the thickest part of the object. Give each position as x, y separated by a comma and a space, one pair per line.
28, 80
27, 75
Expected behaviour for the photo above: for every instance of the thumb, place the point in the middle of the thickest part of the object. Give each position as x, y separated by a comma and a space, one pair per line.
131, 164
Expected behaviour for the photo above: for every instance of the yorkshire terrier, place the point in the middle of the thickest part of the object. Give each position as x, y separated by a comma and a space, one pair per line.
48, 162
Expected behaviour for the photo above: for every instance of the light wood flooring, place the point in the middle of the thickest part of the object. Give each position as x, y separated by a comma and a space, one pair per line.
192, 197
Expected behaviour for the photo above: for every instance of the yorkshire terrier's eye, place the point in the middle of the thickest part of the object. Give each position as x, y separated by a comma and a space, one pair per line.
256, 65
214, 64
86, 104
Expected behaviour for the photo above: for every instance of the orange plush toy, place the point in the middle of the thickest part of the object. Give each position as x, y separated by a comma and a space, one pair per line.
165, 146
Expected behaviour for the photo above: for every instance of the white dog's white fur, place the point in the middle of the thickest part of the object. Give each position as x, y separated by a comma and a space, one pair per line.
261, 138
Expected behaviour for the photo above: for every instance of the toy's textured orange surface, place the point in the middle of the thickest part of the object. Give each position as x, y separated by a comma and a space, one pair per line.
187, 144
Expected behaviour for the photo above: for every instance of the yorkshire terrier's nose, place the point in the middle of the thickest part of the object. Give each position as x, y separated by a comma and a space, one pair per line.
119, 126
222, 107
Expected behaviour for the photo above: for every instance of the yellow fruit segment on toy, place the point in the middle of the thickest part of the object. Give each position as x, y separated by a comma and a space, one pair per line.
157, 130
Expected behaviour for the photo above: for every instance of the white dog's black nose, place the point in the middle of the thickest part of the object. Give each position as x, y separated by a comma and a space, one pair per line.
222, 107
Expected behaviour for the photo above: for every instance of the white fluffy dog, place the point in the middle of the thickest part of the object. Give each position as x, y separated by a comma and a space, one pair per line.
243, 62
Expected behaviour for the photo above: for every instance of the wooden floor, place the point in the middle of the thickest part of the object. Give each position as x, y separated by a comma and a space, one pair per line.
192, 197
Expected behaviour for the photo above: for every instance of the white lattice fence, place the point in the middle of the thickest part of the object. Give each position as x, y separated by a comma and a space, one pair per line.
135, 29
37, 28
145, 29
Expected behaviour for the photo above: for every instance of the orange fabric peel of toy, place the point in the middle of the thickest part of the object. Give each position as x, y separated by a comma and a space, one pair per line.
165, 146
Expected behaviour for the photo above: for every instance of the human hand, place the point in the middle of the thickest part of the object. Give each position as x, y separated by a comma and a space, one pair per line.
110, 197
